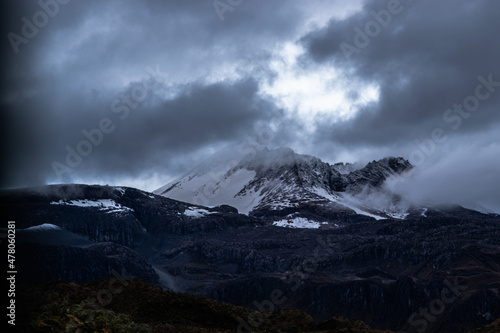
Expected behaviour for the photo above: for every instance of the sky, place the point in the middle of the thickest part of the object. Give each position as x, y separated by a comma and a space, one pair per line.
136, 93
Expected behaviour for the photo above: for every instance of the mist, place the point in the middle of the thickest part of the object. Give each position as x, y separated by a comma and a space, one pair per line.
467, 177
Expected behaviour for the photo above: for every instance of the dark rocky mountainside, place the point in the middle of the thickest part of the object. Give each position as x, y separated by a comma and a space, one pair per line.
438, 269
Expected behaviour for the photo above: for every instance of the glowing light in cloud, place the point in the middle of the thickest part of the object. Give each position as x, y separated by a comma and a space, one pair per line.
319, 92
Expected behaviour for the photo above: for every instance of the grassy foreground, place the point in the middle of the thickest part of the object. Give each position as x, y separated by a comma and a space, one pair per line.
136, 306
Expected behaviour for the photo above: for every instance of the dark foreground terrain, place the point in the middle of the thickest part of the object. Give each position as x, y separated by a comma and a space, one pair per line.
137, 306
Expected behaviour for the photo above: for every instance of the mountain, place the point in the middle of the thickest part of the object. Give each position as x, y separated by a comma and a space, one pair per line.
385, 272
88, 231
273, 181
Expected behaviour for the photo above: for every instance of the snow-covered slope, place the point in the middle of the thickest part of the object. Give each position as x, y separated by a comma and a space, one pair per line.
278, 179
108, 205
217, 181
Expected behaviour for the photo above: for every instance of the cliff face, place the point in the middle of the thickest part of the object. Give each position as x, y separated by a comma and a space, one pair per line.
382, 273
43, 263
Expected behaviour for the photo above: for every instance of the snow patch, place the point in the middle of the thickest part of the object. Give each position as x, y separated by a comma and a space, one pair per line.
360, 211
107, 205
43, 227
196, 213
423, 212
148, 195
323, 193
397, 215
121, 190
298, 223
282, 205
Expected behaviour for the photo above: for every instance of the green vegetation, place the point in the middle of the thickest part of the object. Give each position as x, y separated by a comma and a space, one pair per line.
491, 328
84, 317
136, 306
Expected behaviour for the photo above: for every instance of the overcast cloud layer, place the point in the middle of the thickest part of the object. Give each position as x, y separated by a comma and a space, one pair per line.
173, 81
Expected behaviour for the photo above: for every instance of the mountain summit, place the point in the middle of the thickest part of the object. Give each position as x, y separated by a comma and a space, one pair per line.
281, 180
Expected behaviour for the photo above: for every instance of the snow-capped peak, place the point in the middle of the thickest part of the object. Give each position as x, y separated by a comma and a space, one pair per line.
276, 179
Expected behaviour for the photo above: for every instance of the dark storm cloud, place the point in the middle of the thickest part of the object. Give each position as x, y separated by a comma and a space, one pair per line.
146, 134
427, 58
64, 79
85, 37
202, 115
